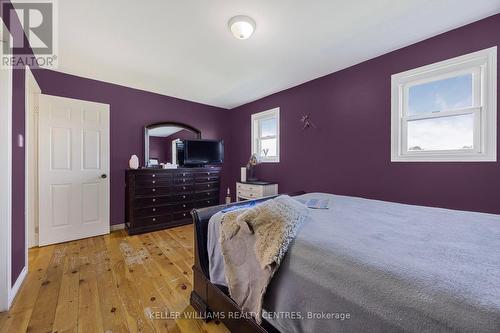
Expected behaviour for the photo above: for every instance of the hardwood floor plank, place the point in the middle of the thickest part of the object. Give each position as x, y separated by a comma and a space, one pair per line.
66, 317
44, 309
89, 311
112, 311
110, 283
127, 292
37, 271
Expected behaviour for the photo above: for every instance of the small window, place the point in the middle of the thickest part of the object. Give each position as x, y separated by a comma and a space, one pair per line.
266, 135
446, 111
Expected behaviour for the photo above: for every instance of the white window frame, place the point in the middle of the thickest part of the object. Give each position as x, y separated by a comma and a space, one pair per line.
256, 138
483, 65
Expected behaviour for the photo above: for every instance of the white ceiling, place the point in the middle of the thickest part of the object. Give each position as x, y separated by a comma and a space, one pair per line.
183, 48
164, 131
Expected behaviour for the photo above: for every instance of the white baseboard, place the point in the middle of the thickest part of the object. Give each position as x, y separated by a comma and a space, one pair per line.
115, 227
19, 282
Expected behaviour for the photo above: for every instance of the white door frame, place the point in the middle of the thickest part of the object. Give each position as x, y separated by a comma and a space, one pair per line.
6, 188
32, 92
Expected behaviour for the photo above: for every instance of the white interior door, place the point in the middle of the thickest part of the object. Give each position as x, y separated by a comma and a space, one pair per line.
73, 169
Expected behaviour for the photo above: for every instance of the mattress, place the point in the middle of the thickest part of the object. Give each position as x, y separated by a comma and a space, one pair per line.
373, 266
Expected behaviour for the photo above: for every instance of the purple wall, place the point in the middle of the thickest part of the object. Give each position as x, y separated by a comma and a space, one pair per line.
18, 179
130, 111
349, 152
18, 156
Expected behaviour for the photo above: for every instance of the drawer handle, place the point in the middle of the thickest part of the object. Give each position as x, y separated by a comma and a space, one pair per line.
154, 190
208, 193
208, 178
184, 206
154, 209
153, 175
184, 180
154, 200
184, 187
183, 197
184, 214
154, 181
208, 173
183, 174
208, 185
154, 219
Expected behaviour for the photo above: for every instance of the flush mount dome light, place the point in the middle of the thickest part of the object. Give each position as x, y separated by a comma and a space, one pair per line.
242, 26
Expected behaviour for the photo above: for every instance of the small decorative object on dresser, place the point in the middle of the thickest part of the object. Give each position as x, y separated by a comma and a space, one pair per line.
252, 163
255, 190
163, 198
133, 163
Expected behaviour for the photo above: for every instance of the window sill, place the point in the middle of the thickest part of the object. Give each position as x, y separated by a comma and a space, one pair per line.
441, 158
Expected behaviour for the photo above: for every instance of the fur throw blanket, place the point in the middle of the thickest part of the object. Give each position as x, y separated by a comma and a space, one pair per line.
253, 244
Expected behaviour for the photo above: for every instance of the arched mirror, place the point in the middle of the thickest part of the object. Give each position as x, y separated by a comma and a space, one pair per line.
160, 140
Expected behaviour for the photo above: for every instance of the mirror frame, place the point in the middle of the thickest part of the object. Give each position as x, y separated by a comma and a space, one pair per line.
190, 128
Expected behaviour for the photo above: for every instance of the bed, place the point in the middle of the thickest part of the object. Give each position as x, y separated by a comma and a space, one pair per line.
368, 265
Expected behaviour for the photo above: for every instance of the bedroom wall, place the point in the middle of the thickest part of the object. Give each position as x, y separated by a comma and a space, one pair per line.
349, 151
18, 244
130, 110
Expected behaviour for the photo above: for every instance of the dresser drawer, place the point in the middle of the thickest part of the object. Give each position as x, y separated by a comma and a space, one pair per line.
184, 180
153, 191
182, 215
206, 179
148, 221
210, 173
206, 186
207, 195
152, 211
153, 201
183, 188
248, 194
153, 176
153, 182
181, 207
181, 197
205, 203
249, 188
184, 173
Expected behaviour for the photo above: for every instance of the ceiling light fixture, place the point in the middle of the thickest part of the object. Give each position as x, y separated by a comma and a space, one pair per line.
241, 26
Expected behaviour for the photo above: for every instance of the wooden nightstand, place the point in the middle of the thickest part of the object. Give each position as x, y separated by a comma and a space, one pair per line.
255, 190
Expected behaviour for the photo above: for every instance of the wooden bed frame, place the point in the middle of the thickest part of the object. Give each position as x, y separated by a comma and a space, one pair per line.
208, 299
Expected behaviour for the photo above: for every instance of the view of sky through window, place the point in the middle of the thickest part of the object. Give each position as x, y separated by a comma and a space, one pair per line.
268, 127
441, 95
443, 133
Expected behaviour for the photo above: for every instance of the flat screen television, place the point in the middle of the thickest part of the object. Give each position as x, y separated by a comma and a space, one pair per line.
200, 152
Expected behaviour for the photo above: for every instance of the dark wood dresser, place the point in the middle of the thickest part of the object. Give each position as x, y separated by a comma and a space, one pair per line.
163, 198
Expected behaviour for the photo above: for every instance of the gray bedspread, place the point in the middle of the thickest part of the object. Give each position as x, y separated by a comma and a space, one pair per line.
373, 266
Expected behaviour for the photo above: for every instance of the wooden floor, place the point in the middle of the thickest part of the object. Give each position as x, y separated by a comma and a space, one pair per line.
112, 283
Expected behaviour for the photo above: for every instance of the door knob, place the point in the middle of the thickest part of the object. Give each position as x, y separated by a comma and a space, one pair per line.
103, 176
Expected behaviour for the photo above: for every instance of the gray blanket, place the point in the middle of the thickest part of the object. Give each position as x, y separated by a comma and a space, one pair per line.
373, 266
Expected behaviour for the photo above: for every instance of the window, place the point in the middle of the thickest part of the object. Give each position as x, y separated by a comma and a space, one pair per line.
446, 111
266, 135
